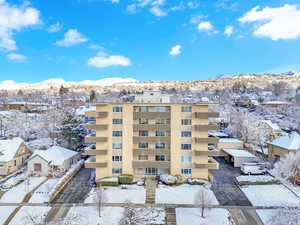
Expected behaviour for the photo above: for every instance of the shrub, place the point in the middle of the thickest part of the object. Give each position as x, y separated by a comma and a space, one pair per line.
241, 183
109, 181
126, 179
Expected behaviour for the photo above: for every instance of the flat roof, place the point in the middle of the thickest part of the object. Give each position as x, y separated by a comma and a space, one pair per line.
239, 153
230, 140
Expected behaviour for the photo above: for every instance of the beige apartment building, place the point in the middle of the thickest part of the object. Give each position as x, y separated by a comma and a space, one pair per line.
144, 138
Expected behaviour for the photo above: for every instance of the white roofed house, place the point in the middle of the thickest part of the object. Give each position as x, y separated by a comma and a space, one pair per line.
270, 129
54, 161
283, 145
13, 154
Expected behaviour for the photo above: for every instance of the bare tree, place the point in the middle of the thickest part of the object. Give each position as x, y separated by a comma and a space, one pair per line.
99, 197
285, 216
203, 197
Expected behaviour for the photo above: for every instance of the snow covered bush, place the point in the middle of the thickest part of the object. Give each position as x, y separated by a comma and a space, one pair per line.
194, 181
109, 181
125, 179
256, 180
288, 167
171, 180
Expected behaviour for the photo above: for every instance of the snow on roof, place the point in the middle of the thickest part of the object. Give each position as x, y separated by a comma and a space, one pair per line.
274, 126
83, 109
217, 134
9, 148
56, 155
275, 103
239, 153
290, 142
230, 140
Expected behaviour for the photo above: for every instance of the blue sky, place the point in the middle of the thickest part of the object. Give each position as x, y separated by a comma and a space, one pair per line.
146, 39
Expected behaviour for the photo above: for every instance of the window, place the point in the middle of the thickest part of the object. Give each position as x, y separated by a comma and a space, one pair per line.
162, 121
160, 133
143, 133
143, 157
117, 121
186, 133
37, 167
117, 109
160, 158
160, 145
186, 171
162, 109
143, 145
186, 109
117, 158
151, 171
143, 108
117, 133
186, 159
186, 146
186, 122
117, 170
143, 121
117, 146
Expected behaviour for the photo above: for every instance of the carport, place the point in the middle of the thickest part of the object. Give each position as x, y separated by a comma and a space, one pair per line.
238, 157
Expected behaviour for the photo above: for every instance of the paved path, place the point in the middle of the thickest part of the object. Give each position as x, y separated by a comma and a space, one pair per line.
150, 190
170, 216
245, 217
224, 186
77, 189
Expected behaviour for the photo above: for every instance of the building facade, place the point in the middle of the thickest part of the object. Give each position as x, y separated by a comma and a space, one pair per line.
151, 138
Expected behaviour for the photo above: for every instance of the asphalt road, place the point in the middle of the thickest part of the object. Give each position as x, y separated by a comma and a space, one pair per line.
224, 187
78, 188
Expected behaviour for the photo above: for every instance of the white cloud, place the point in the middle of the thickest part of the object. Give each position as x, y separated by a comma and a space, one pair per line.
93, 46
115, 1
103, 60
155, 10
55, 27
192, 5
205, 26
228, 30
227, 4
158, 2
132, 9
72, 37
16, 57
14, 18
196, 19
275, 23
175, 50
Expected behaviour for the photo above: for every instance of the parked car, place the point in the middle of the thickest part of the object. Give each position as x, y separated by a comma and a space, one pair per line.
253, 168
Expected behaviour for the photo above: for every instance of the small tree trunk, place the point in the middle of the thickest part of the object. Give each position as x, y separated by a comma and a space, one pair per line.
202, 212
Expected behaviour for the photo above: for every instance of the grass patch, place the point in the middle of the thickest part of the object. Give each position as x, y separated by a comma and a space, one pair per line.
242, 183
125, 179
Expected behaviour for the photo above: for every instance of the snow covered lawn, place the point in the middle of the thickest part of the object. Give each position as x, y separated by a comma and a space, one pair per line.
17, 193
5, 211
23, 216
133, 193
270, 195
266, 214
41, 195
192, 216
257, 179
182, 194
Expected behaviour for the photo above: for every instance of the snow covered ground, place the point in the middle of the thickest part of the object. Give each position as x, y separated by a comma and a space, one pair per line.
258, 178
265, 215
27, 213
17, 193
5, 211
270, 195
182, 194
41, 195
133, 193
192, 216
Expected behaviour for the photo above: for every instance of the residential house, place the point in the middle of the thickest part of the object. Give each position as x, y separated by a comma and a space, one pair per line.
283, 145
268, 127
13, 153
230, 143
54, 161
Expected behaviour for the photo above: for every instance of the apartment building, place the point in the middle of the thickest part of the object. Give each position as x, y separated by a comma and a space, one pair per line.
149, 138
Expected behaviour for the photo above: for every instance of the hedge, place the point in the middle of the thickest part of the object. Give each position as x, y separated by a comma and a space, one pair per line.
126, 179
241, 183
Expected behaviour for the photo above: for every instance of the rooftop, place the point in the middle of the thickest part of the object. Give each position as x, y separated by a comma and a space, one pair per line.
289, 142
9, 148
239, 153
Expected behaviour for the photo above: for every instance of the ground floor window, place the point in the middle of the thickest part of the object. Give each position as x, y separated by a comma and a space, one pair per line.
117, 170
186, 171
37, 167
151, 171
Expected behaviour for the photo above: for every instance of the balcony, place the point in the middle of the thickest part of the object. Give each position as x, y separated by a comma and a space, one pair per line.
152, 152
209, 140
150, 164
151, 127
211, 165
93, 126
96, 114
208, 153
151, 115
91, 163
96, 151
205, 127
206, 115
151, 139
92, 139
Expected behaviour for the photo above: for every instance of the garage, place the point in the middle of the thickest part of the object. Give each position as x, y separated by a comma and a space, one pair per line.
238, 157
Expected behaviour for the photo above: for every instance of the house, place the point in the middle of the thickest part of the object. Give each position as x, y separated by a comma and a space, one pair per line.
54, 161
268, 127
230, 143
275, 104
283, 145
36, 107
238, 156
13, 153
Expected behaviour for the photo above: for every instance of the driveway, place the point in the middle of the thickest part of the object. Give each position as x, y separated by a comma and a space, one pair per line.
78, 188
224, 187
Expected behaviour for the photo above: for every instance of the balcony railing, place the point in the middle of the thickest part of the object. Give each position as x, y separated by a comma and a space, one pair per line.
93, 126
151, 115
143, 151
209, 140
150, 164
96, 114
92, 163
151, 127
205, 127
208, 153
92, 139
206, 115
96, 151
153, 139
211, 165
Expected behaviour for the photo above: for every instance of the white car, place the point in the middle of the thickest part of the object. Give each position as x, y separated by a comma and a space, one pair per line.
253, 168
